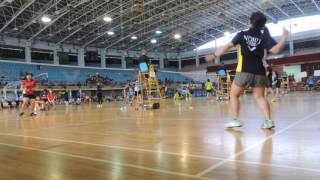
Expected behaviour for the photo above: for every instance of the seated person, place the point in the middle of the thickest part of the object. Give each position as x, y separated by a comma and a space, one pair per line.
177, 96
222, 71
143, 61
44, 97
186, 93
51, 98
311, 81
39, 105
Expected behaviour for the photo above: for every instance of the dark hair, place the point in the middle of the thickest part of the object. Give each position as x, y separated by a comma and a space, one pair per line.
258, 20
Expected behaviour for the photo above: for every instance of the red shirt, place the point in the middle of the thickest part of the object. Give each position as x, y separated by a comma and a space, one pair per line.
51, 96
28, 86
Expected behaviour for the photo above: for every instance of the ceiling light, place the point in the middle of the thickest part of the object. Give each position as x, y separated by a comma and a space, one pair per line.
107, 19
134, 37
158, 32
227, 33
153, 41
177, 36
110, 33
46, 19
15, 29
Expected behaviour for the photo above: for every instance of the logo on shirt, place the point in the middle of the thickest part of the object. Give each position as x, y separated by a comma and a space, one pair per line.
252, 42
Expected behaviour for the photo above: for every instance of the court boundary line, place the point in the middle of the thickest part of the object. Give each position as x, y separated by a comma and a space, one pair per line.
232, 157
107, 161
163, 152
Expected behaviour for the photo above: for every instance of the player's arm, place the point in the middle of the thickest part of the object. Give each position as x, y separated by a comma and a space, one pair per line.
21, 87
281, 44
224, 49
220, 52
236, 40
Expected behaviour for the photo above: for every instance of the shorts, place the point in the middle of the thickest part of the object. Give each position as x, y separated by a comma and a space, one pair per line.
30, 96
311, 85
137, 92
243, 79
209, 90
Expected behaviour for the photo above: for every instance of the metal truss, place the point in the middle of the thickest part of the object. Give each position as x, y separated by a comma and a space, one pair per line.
80, 22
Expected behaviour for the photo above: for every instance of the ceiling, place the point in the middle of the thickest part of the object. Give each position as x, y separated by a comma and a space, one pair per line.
80, 22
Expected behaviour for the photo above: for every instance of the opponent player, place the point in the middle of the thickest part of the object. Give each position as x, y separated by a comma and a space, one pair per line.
27, 87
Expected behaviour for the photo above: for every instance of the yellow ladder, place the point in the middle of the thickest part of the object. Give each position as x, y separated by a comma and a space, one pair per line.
150, 86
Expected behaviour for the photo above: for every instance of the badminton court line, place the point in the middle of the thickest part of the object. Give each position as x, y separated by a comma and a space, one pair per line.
230, 158
106, 161
158, 152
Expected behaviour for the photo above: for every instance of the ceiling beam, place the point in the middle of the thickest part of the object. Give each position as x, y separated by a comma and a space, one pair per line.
279, 8
252, 4
315, 4
127, 21
24, 7
39, 13
296, 5
65, 11
185, 8
80, 15
88, 23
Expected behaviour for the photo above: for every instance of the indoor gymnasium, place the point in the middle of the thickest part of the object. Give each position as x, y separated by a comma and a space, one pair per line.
159, 89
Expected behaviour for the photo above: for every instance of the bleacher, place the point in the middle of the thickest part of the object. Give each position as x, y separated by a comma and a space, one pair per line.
11, 71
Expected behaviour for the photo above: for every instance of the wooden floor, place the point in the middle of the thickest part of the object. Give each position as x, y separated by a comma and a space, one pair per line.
178, 141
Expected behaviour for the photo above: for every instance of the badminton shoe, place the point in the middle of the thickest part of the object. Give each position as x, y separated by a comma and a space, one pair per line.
267, 124
233, 123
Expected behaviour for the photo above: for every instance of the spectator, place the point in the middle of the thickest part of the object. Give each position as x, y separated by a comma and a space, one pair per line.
311, 82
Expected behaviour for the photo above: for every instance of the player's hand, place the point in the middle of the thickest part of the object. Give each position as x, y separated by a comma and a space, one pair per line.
210, 58
285, 32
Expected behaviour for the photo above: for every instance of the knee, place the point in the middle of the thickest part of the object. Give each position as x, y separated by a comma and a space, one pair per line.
259, 96
234, 95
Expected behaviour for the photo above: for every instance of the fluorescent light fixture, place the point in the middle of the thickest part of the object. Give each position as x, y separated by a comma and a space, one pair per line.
301, 24
107, 19
134, 37
110, 33
177, 36
153, 41
158, 32
46, 19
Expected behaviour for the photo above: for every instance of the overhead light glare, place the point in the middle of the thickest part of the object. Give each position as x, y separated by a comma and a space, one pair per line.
46, 19
134, 37
153, 41
107, 19
177, 36
110, 33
